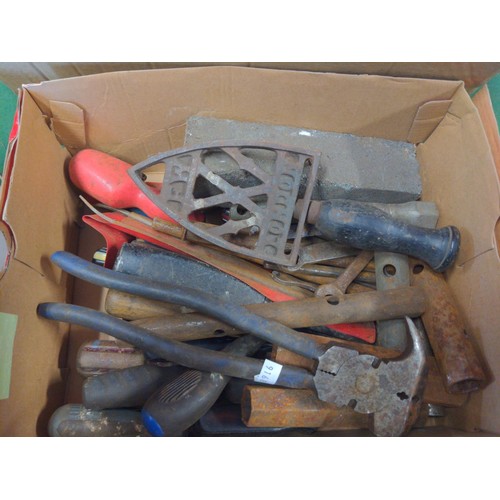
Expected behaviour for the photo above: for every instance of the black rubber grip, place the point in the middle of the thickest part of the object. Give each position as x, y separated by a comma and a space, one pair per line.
182, 402
126, 388
74, 420
363, 226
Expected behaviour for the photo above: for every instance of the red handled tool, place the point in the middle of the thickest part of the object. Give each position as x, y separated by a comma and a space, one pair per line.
251, 274
105, 178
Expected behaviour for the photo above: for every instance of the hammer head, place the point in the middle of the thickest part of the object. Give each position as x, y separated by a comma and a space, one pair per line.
389, 390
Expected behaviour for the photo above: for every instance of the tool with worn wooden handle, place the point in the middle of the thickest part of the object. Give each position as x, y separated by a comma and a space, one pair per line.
149, 261
101, 356
128, 306
389, 390
269, 202
317, 311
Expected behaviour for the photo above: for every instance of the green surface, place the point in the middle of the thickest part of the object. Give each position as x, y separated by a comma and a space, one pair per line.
8, 323
8, 102
494, 90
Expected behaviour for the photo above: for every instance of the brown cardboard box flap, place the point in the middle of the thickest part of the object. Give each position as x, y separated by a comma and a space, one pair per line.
68, 123
149, 105
473, 74
40, 210
428, 117
39, 355
462, 163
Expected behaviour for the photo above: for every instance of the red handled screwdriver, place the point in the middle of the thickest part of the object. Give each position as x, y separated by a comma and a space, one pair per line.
105, 178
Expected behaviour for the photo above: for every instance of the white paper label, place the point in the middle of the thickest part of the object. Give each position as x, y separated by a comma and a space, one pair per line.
269, 373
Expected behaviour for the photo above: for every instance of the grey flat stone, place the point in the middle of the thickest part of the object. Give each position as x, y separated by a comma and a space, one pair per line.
352, 167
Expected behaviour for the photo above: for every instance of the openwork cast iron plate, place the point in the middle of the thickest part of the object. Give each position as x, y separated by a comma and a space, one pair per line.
259, 182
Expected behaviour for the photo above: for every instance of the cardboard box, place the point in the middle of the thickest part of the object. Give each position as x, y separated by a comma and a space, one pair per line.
473, 74
132, 115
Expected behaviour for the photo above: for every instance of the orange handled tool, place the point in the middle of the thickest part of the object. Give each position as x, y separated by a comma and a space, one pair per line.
105, 178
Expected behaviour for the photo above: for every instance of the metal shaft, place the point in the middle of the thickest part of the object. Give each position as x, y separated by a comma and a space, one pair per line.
278, 407
351, 308
461, 366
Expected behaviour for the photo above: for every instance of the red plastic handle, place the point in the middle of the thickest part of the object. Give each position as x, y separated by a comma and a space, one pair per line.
105, 178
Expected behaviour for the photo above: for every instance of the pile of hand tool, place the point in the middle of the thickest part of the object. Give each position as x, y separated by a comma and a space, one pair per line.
245, 296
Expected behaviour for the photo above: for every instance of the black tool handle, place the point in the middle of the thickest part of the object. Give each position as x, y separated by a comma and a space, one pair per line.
181, 402
363, 226
74, 420
126, 388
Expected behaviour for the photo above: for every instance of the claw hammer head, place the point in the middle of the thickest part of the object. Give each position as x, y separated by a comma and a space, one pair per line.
389, 390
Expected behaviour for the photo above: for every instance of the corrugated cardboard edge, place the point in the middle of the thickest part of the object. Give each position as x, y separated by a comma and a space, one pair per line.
475, 279
6, 231
44, 172
484, 106
169, 97
428, 117
40, 347
473, 74
68, 123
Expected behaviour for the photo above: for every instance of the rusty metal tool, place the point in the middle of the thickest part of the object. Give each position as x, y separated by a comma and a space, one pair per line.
434, 393
291, 281
323, 274
148, 261
392, 271
338, 287
247, 272
295, 408
276, 407
343, 262
272, 202
269, 198
351, 308
389, 390
459, 361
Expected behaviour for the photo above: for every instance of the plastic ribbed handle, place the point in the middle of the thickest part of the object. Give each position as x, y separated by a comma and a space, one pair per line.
126, 388
105, 178
360, 225
183, 401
